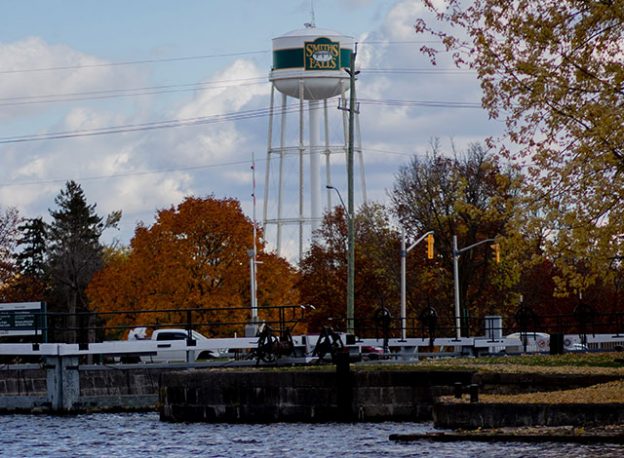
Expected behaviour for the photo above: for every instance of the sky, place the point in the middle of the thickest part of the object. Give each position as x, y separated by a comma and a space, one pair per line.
70, 70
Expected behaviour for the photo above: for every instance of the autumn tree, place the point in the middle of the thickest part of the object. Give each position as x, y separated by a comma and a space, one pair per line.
552, 70
195, 256
75, 253
324, 269
471, 196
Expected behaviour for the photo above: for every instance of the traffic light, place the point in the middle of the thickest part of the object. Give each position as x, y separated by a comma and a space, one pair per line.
430, 241
496, 248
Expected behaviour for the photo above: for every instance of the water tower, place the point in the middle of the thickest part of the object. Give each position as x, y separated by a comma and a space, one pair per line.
309, 67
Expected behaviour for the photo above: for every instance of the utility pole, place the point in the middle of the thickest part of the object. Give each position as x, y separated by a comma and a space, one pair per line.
350, 205
252, 327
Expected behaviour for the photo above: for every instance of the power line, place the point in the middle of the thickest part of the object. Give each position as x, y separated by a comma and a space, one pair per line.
235, 116
417, 71
188, 87
128, 174
187, 58
218, 118
131, 62
169, 170
406, 42
420, 103
130, 92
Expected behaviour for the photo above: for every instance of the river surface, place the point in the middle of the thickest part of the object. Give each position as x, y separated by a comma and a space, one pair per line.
144, 435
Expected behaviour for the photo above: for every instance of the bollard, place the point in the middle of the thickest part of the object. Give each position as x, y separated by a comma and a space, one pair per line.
343, 366
458, 389
474, 392
344, 387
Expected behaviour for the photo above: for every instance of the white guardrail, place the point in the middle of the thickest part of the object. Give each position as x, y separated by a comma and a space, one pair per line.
306, 344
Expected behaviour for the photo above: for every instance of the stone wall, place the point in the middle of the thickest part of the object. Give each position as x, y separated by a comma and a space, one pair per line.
300, 396
481, 415
24, 389
80, 388
27, 381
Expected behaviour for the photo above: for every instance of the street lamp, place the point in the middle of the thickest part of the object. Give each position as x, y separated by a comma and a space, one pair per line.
404, 251
456, 254
350, 264
344, 207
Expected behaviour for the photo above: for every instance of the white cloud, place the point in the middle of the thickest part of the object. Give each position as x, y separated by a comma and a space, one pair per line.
400, 21
25, 78
227, 98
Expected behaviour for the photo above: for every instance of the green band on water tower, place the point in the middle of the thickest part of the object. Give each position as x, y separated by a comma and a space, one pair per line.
297, 58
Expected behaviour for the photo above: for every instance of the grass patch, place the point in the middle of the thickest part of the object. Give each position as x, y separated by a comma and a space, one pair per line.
570, 361
612, 392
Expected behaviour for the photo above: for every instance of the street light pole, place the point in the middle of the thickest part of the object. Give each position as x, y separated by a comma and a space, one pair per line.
404, 252
456, 281
456, 253
350, 288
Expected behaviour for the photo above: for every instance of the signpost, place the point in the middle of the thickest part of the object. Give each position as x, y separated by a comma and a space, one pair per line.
24, 319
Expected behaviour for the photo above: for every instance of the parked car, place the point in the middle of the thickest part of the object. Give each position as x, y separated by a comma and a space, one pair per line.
576, 347
371, 353
534, 341
168, 335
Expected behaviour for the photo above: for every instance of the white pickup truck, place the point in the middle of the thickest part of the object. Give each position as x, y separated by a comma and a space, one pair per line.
167, 339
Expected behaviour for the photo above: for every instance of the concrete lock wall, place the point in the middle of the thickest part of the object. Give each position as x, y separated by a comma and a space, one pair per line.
300, 396
473, 416
61, 385
24, 389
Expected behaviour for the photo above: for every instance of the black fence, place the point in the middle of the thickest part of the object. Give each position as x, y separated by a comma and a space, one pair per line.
214, 322
63, 327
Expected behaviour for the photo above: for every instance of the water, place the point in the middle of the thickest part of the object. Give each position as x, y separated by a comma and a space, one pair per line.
143, 435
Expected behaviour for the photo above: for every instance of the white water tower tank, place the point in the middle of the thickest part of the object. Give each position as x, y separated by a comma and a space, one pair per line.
312, 55
309, 66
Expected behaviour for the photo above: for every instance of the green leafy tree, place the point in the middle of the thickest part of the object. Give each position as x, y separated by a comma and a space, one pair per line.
30, 282
473, 197
75, 253
31, 256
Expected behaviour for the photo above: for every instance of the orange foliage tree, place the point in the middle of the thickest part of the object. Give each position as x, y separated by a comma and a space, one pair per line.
194, 256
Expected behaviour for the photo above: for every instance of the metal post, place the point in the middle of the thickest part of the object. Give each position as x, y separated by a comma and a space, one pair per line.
403, 287
267, 174
350, 201
252, 284
280, 191
301, 179
314, 114
253, 253
328, 181
456, 277
404, 251
456, 253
